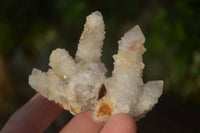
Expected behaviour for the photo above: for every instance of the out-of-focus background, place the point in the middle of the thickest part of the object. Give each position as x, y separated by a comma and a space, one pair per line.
31, 29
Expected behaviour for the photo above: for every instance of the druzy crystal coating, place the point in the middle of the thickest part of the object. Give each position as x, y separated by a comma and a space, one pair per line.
76, 84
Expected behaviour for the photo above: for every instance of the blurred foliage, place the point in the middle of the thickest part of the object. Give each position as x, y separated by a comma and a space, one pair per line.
30, 30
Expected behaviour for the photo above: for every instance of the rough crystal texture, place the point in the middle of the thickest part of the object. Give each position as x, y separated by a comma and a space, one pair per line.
77, 84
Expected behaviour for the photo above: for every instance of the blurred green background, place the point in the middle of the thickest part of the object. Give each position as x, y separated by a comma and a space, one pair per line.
31, 29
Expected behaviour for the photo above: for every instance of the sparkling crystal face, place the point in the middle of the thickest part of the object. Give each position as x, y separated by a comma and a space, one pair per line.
80, 84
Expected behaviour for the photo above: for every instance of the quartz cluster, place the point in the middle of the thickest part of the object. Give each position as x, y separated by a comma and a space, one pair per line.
80, 84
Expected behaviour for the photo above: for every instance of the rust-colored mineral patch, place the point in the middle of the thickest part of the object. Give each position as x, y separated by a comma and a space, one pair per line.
104, 110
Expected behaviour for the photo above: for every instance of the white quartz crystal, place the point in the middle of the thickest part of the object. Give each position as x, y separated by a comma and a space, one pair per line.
80, 85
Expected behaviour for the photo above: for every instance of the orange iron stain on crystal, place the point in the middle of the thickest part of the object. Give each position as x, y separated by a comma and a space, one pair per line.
137, 45
104, 110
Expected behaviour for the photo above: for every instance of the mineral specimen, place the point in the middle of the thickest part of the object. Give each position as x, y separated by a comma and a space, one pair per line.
80, 85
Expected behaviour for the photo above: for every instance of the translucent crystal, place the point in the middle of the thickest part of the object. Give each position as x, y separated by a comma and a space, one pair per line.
77, 84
